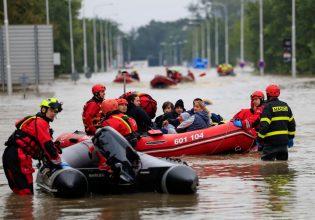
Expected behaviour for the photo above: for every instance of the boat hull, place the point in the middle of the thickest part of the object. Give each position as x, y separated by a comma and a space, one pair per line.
84, 176
213, 140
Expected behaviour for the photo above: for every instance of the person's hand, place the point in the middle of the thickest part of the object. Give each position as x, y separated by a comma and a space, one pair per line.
165, 123
290, 143
237, 123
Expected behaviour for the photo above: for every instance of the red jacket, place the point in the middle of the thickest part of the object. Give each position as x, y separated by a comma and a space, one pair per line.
91, 115
33, 135
121, 123
250, 119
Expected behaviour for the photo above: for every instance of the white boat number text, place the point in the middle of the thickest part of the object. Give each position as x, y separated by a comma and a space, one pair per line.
193, 137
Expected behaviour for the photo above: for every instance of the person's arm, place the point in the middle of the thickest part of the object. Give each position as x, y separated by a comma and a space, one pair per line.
291, 125
186, 123
46, 143
265, 122
91, 111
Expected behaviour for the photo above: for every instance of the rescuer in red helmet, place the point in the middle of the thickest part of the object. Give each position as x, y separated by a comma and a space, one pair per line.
277, 126
249, 118
91, 115
32, 139
122, 123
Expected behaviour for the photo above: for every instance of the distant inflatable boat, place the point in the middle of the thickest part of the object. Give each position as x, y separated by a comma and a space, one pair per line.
129, 79
128, 170
160, 81
224, 138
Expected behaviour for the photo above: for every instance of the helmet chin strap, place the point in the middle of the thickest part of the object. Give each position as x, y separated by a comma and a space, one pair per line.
43, 114
97, 96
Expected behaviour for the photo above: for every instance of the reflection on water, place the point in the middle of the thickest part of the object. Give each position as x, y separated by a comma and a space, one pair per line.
280, 187
133, 206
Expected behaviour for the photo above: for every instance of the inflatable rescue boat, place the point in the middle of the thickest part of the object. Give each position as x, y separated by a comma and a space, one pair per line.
126, 170
160, 81
224, 138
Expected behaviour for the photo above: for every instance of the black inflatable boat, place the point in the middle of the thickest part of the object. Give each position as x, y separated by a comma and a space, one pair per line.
128, 170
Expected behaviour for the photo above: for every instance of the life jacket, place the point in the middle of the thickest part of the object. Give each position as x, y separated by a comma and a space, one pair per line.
126, 126
27, 142
95, 121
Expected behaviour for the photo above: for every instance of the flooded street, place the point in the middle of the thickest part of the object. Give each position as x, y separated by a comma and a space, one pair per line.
238, 186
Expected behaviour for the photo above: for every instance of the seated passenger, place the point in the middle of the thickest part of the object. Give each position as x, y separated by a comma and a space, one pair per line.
190, 122
125, 125
173, 115
136, 112
215, 119
167, 108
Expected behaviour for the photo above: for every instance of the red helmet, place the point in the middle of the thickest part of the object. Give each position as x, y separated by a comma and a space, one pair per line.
257, 94
122, 101
98, 88
109, 105
273, 90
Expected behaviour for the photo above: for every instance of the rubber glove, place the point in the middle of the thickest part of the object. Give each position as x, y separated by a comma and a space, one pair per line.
64, 165
290, 143
237, 123
260, 148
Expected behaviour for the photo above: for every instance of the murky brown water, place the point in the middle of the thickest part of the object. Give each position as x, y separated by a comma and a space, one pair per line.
231, 186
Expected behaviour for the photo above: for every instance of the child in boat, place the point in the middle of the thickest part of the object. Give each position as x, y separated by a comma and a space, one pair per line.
190, 122
167, 107
215, 119
173, 115
137, 112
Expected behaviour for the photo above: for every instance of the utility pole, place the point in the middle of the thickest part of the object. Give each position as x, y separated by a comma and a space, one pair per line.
293, 41
261, 39
242, 36
47, 12
71, 38
6, 24
85, 66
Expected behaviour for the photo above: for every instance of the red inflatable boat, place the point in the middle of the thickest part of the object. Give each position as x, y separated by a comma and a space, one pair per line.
160, 81
120, 79
213, 140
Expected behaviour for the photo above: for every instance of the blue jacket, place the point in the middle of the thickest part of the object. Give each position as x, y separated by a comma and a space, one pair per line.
199, 120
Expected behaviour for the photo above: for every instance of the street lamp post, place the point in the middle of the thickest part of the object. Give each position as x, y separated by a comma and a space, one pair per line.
226, 30
102, 46
6, 24
293, 41
47, 12
85, 65
202, 35
242, 36
261, 39
71, 38
106, 45
208, 42
216, 47
94, 40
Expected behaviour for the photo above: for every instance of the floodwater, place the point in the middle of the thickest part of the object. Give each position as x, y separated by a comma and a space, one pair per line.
238, 186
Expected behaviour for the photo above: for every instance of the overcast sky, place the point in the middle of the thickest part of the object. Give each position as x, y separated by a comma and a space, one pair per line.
136, 13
